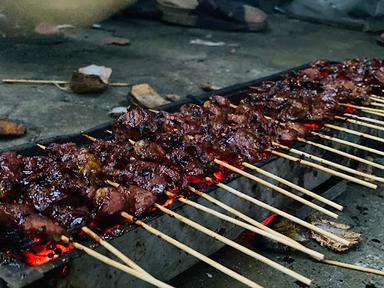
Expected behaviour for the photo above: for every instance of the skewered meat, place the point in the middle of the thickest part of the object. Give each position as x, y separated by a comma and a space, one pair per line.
110, 201
24, 218
69, 185
10, 174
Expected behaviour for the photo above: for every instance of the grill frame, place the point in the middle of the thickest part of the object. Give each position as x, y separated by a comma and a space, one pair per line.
17, 274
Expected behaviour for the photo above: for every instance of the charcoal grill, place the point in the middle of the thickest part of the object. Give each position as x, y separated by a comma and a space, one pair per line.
76, 269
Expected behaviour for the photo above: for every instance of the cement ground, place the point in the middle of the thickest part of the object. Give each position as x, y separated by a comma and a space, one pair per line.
162, 56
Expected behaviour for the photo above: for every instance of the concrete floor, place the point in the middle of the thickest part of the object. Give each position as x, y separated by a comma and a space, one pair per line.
162, 56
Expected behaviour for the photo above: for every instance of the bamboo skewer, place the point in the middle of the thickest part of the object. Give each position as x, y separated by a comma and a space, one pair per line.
55, 82
357, 133
325, 169
342, 153
252, 221
279, 189
377, 104
294, 186
362, 108
283, 214
364, 124
116, 264
191, 251
239, 214
235, 245
348, 143
114, 251
353, 267
367, 119
375, 98
247, 226
330, 163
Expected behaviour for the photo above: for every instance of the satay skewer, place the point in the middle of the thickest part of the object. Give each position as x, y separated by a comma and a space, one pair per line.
342, 153
353, 267
238, 214
360, 123
364, 108
294, 186
191, 251
377, 99
348, 143
235, 245
367, 119
114, 250
247, 226
330, 163
377, 104
278, 189
183, 247
325, 169
354, 132
282, 213
314, 254
116, 264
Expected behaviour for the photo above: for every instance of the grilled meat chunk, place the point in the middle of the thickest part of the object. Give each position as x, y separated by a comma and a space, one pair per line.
133, 199
24, 218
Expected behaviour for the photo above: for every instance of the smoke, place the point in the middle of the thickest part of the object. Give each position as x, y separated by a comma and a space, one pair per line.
23, 16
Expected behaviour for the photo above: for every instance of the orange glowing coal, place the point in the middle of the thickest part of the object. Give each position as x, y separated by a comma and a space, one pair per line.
312, 126
43, 253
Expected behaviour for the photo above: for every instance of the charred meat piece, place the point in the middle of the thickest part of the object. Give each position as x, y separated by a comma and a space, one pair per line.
24, 218
151, 176
72, 218
146, 150
133, 199
135, 124
10, 175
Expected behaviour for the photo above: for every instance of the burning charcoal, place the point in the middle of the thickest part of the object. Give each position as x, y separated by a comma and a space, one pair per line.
147, 96
90, 79
341, 230
10, 128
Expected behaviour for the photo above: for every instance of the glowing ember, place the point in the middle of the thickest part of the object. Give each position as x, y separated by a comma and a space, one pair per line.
312, 126
269, 219
169, 202
44, 253
219, 175
195, 180
349, 109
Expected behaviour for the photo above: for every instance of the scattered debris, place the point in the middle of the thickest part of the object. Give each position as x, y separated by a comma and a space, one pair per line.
206, 43
208, 87
96, 26
117, 111
51, 29
90, 79
287, 228
173, 97
147, 96
119, 41
209, 275
338, 229
10, 128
